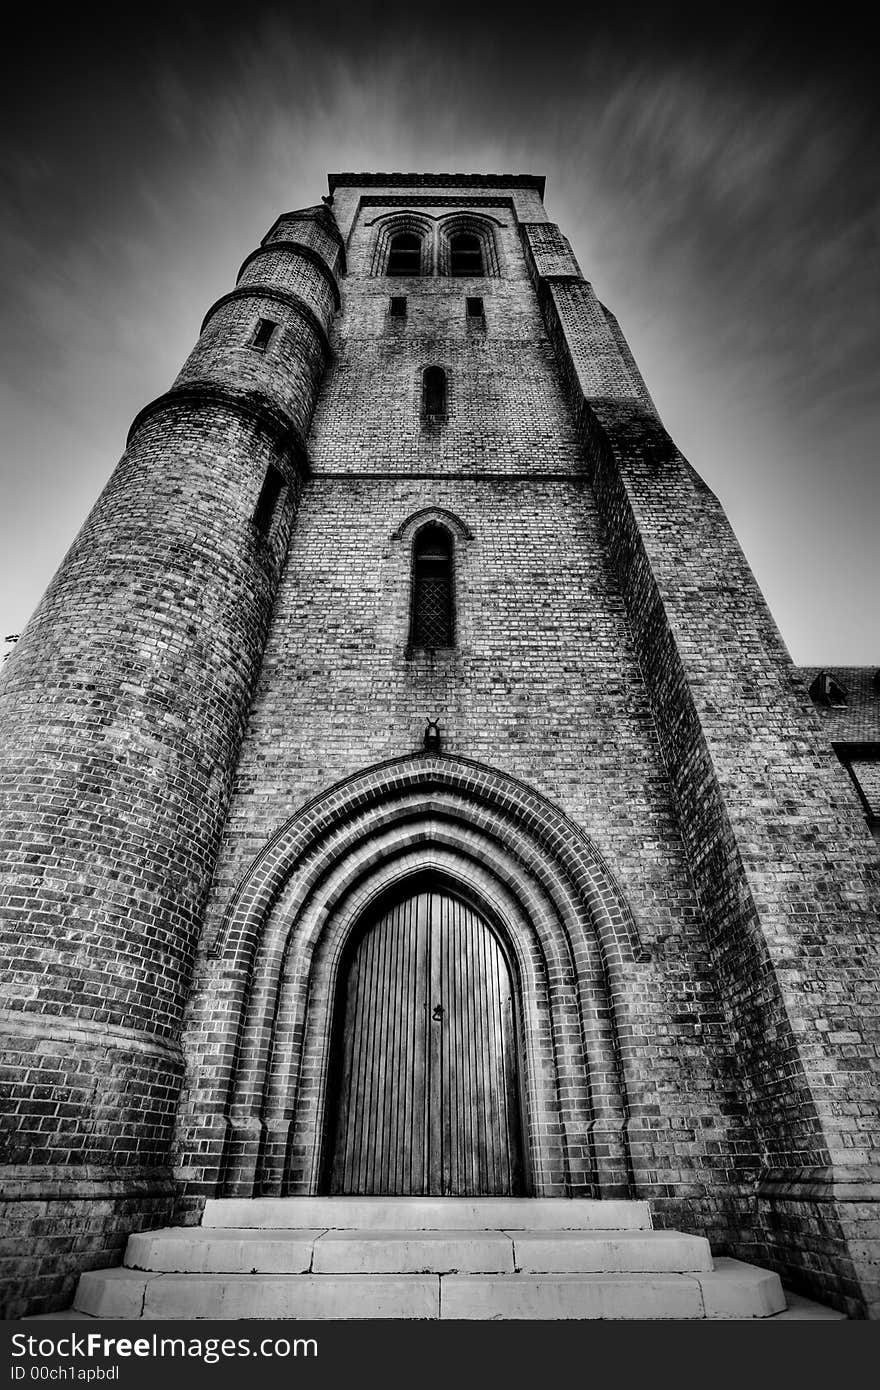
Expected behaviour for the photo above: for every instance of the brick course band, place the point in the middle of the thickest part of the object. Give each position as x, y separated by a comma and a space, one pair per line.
299, 248
533, 181
261, 410
318, 215
19, 1020
48, 1182
285, 297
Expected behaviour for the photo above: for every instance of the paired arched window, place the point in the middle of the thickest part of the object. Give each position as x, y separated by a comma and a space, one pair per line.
465, 254
409, 244
433, 598
434, 393
404, 254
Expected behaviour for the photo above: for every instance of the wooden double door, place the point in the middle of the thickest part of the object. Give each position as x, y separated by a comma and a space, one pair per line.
426, 1088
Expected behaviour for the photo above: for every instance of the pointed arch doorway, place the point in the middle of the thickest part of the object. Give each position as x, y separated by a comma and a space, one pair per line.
425, 1097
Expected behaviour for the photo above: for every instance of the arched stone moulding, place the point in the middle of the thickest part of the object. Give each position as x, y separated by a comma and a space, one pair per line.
293, 1101
538, 880
416, 520
435, 233
480, 227
294, 249
403, 222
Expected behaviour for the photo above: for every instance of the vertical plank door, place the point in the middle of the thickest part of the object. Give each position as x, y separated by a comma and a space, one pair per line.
427, 1093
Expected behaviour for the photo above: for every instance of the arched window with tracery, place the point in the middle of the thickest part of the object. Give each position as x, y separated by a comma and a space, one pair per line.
465, 254
434, 393
404, 254
433, 598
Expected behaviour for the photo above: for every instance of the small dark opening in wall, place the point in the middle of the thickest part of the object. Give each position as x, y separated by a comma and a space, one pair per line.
263, 334
434, 392
267, 502
475, 307
398, 306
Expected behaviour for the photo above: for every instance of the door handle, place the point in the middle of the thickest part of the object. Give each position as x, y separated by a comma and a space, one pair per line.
437, 1013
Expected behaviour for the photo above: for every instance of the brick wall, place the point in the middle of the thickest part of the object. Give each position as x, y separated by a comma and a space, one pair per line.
765, 812
542, 685
662, 716
629, 770
121, 714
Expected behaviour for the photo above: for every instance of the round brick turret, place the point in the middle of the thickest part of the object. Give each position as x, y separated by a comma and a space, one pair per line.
121, 715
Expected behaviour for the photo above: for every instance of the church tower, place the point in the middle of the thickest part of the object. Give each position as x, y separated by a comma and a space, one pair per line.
405, 791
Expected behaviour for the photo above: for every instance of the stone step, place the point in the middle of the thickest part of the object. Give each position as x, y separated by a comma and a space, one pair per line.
731, 1290
192, 1250
298, 1251
598, 1252
427, 1213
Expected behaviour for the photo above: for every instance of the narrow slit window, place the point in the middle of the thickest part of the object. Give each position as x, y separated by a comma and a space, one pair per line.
263, 334
398, 306
475, 308
465, 254
267, 502
434, 393
432, 593
405, 254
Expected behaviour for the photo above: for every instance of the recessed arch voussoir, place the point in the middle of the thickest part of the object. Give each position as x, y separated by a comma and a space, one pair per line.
298, 1113
543, 882
551, 830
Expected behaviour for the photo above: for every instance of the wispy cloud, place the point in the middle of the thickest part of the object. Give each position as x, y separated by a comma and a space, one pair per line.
720, 189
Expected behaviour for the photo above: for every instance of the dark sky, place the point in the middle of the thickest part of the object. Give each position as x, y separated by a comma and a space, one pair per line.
716, 171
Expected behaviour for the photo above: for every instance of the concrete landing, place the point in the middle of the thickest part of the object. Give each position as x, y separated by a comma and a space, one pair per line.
345, 1258
428, 1213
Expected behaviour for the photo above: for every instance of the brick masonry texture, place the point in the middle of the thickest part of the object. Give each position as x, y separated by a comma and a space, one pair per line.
505, 408
766, 811
857, 720
547, 698
853, 729
122, 712
215, 764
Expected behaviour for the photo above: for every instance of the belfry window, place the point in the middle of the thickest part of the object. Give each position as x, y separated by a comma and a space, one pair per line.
432, 589
434, 393
404, 254
465, 254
